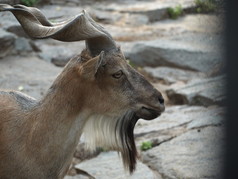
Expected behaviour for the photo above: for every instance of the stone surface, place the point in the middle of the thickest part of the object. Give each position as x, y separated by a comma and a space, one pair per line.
22, 45
8, 20
56, 13
194, 154
172, 75
131, 28
104, 16
207, 91
153, 10
214, 116
180, 53
176, 120
29, 75
17, 30
7, 43
58, 52
111, 167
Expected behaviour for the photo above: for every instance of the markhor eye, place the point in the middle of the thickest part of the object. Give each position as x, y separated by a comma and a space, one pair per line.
117, 74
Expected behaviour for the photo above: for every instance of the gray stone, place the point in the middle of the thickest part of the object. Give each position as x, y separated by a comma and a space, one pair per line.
214, 116
104, 16
172, 117
8, 20
61, 61
194, 154
60, 12
153, 10
137, 20
172, 75
7, 43
58, 52
181, 53
206, 26
22, 45
17, 30
195, 29
27, 74
177, 120
108, 165
206, 92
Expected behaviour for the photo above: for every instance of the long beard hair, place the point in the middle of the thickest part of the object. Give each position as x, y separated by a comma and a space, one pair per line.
113, 133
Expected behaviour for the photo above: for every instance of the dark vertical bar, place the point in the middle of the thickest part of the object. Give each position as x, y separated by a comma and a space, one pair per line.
231, 39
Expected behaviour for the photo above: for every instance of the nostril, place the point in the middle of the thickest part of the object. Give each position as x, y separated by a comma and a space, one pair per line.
161, 100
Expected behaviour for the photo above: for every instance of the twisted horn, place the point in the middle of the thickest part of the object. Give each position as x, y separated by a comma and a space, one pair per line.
80, 27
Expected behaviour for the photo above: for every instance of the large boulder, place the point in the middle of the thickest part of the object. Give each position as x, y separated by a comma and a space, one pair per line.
204, 91
27, 74
57, 52
195, 52
170, 75
195, 154
7, 41
177, 120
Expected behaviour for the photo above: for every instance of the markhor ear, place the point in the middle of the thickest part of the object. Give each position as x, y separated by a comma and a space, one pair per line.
90, 67
100, 62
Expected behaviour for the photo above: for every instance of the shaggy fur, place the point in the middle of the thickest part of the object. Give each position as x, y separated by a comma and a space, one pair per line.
113, 134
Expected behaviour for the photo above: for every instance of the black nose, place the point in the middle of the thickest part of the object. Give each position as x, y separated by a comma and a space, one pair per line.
161, 99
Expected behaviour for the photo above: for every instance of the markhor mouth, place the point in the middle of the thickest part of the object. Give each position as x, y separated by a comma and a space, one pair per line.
148, 113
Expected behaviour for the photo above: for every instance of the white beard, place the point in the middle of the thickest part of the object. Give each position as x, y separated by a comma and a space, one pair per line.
113, 133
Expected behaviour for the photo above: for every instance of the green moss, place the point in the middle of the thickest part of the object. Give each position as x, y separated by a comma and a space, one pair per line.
175, 12
206, 6
29, 2
146, 145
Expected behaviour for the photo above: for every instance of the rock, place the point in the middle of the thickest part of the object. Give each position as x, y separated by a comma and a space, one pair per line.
136, 20
104, 16
206, 92
22, 45
17, 30
215, 116
7, 43
8, 20
177, 120
58, 52
196, 29
61, 61
172, 75
191, 24
60, 12
153, 10
174, 116
108, 165
28, 74
182, 53
194, 154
